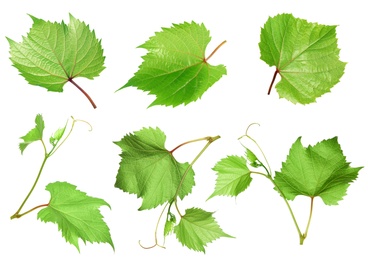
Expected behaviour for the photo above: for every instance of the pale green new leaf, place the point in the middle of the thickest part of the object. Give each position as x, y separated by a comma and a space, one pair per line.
305, 54
76, 214
319, 170
55, 53
175, 68
150, 171
233, 176
55, 138
169, 224
34, 134
252, 159
197, 228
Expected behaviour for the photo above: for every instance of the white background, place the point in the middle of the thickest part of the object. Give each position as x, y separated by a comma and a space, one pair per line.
258, 217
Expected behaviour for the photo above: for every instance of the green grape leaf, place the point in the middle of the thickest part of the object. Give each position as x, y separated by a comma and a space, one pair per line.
76, 214
170, 224
305, 55
54, 53
233, 176
55, 138
319, 170
150, 171
197, 228
252, 159
34, 134
175, 68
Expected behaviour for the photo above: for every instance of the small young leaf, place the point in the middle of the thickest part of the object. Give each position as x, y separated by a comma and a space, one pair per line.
150, 171
319, 170
305, 55
76, 214
175, 68
170, 224
55, 138
197, 228
55, 53
233, 176
252, 159
34, 134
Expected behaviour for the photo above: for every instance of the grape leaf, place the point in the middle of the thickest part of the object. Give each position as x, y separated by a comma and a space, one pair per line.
34, 134
233, 176
197, 228
319, 170
150, 171
252, 159
305, 55
55, 53
175, 68
76, 214
55, 138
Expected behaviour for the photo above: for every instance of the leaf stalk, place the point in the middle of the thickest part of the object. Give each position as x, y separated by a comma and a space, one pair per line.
84, 92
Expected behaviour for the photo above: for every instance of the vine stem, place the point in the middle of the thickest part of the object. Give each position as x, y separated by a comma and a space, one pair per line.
209, 141
16, 214
269, 176
156, 230
273, 80
304, 236
47, 155
214, 51
85, 93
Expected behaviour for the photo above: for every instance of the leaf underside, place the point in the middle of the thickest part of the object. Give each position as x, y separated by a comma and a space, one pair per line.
319, 170
34, 134
197, 228
150, 171
175, 69
233, 176
305, 54
54, 53
76, 214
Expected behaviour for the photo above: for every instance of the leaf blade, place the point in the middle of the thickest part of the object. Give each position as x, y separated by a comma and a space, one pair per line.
175, 69
233, 176
319, 170
197, 228
305, 54
76, 214
150, 171
35, 134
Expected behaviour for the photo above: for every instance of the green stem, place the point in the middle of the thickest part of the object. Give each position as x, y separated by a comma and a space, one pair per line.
156, 229
269, 176
288, 205
16, 214
259, 147
209, 141
304, 236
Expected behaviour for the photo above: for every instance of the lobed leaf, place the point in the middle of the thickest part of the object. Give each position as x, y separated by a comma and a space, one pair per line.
319, 170
34, 134
175, 68
55, 53
305, 55
233, 176
197, 228
150, 171
76, 214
